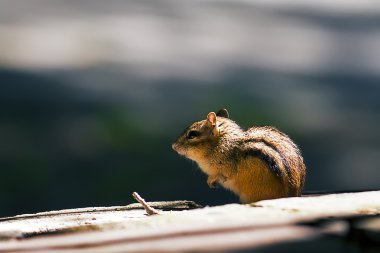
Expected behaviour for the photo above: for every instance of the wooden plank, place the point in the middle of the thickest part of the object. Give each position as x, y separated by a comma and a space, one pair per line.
171, 241
339, 204
217, 228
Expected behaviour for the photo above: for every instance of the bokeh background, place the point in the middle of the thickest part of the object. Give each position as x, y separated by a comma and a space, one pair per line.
93, 93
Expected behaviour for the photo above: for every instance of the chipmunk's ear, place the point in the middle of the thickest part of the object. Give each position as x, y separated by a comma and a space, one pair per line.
223, 113
211, 121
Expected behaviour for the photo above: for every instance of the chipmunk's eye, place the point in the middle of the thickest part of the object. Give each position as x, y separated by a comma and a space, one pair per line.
192, 134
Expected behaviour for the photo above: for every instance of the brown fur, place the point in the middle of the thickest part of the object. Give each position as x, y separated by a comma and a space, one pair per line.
260, 163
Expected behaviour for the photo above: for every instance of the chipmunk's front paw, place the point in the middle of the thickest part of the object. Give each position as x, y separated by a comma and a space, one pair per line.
216, 180
212, 183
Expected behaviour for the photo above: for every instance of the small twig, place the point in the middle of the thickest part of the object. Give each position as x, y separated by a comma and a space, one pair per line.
150, 210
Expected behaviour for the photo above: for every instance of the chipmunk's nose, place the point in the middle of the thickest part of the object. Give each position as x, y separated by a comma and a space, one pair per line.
175, 146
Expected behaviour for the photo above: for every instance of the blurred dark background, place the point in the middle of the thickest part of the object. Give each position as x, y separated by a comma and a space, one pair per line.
93, 93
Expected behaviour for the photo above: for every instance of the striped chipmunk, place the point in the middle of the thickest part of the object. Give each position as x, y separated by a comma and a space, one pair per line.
256, 164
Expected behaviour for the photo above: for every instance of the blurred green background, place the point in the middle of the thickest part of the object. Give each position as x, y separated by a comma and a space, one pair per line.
93, 93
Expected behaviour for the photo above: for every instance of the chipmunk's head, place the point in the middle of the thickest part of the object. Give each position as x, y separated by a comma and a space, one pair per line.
199, 137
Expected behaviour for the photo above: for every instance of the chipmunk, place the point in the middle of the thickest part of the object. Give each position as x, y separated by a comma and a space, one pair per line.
256, 164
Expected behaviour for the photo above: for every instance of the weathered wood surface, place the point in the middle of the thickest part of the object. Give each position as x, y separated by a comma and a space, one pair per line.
334, 222
80, 219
